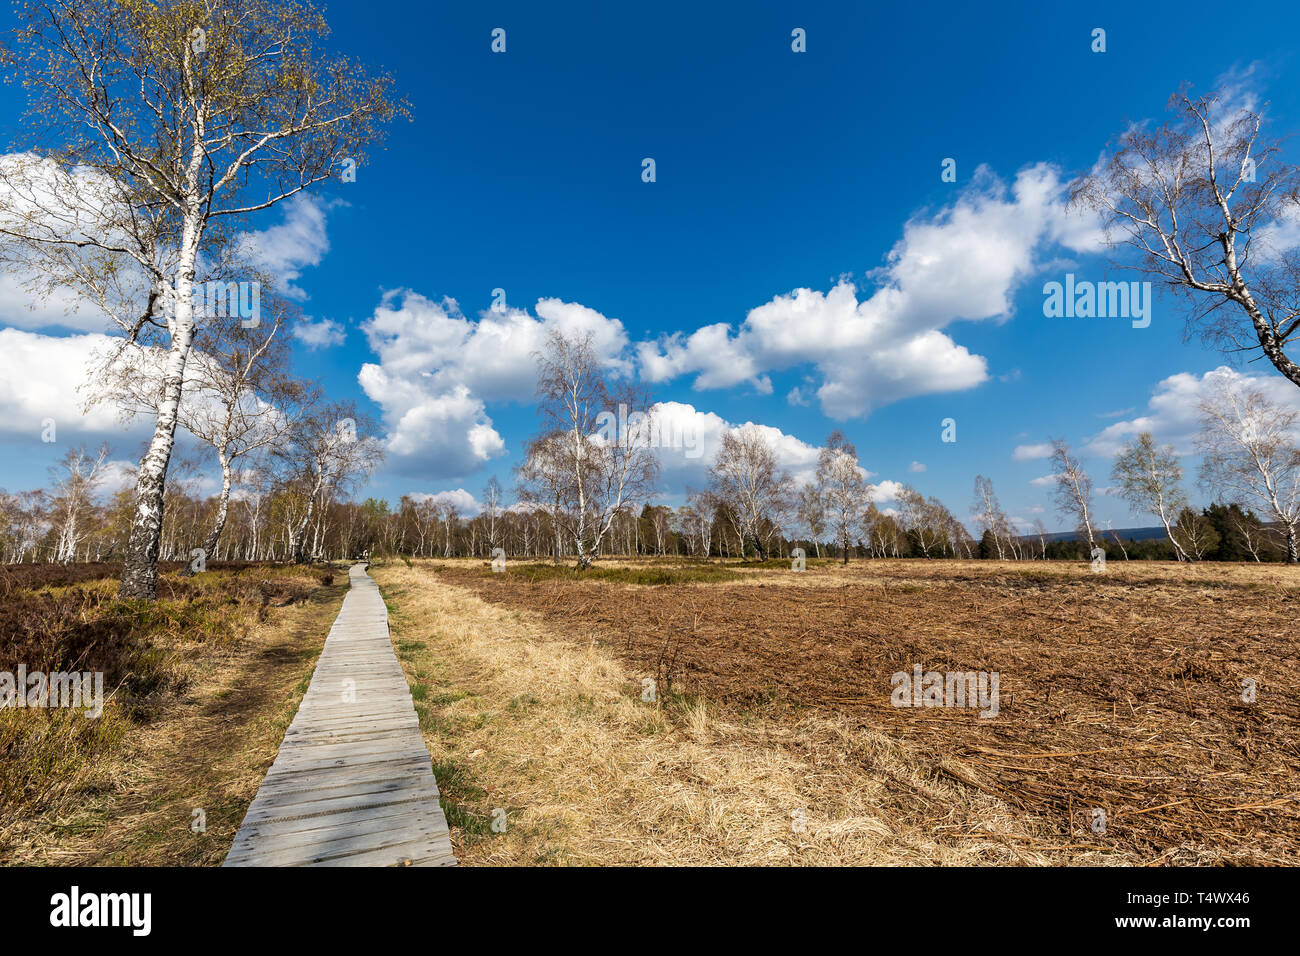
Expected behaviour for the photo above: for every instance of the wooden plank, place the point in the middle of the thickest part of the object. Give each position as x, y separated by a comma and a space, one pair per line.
357, 835
352, 784
301, 800
276, 828
358, 771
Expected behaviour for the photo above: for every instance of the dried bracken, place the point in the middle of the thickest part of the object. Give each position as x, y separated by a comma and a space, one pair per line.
1121, 692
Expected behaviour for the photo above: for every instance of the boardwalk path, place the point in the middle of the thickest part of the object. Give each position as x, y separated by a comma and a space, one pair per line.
352, 784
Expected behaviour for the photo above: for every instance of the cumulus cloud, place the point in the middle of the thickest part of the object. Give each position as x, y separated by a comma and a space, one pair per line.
40, 198
319, 335
117, 475
1032, 452
1172, 417
41, 376
438, 368
916, 467
689, 441
1280, 235
298, 241
61, 309
72, 206
459, 498
886, 491
965, 262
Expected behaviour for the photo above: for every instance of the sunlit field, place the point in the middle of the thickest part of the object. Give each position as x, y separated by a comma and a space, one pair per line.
1123, 694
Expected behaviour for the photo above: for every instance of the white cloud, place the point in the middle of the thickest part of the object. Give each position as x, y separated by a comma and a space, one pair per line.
1172, 416
61, 309
916, 467
1032, 452
887, 490
1280, 235
462, 500
117, 475
318, 335
40, 377
38, 197
437, 370
964, 262
690, 440
1043, 481
298, 241
37, 187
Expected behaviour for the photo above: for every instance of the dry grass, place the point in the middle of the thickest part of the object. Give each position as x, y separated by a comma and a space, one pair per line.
520, 715
121, 789
1120, 692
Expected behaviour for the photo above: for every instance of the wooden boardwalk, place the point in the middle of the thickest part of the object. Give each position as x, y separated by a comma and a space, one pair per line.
352, 784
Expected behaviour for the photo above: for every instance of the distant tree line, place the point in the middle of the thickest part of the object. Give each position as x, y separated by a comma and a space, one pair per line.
583, 493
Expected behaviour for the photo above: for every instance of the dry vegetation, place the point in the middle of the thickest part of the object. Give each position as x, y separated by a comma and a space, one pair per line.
1120, 691
200, 687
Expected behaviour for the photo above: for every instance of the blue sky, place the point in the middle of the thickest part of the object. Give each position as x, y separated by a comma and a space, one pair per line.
775, 171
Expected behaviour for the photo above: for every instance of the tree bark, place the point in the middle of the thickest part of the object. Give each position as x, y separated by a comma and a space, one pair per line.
140, 568
219, 523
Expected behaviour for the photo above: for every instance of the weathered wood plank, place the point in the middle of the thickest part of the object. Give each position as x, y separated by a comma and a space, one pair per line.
352, 784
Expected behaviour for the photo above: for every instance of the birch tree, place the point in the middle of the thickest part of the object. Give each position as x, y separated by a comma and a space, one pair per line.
811, 512
842, 487
23, 514
242, 400
1197, 198
1073, 489
883, 533
926, 520
542, 481
74, 482
748, 480
705, 506
1150, 479
331, 448
1249, 455
1196, 535
239, 396
961, 539
1040, 531
1247, 525
449, 515
988, 512
255, 484
603, 468
491, 513
178, 119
